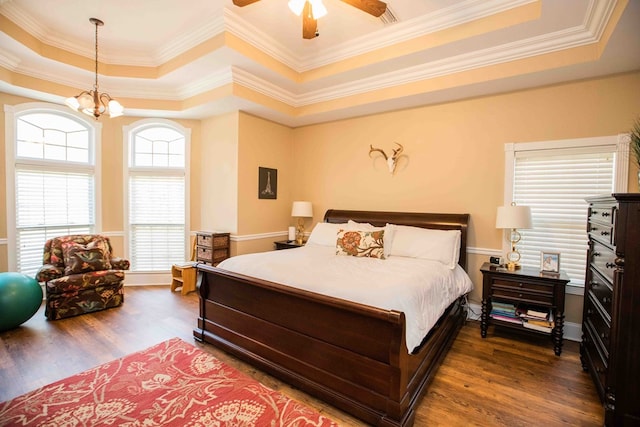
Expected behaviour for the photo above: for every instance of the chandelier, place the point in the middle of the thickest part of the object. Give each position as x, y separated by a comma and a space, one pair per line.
92, 102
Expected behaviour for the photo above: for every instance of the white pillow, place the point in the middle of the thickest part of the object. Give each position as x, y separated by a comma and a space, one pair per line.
436, 245
365, 226
324, 234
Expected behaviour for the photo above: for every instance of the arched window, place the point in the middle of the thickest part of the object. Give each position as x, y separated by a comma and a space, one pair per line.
156, 195
53, 175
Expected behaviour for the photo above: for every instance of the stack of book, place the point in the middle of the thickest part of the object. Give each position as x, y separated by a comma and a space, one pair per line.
505, 312
536, 318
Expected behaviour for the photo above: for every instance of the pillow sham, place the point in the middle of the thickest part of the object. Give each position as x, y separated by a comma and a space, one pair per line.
78, 258
388, 234
436, 245
358, 243
324, 234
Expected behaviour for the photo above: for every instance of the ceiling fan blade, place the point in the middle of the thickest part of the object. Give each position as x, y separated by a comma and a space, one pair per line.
372, 7
242, 3
309, 25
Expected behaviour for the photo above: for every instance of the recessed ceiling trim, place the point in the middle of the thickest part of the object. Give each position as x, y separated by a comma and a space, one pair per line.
8, 61
212, 81
237, 26
190, 39
410, 29
548, 43
264, 87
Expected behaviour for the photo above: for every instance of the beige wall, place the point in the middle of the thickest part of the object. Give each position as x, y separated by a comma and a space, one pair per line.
455, 154
454, 162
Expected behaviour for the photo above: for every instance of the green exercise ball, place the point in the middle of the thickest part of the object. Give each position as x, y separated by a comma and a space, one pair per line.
20, 298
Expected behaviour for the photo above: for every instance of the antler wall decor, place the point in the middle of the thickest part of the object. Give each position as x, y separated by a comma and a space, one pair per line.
391, 160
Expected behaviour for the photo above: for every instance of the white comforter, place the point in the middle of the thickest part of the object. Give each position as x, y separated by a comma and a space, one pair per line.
420, 288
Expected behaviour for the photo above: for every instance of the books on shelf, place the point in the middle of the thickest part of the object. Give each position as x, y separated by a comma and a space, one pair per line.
536, 318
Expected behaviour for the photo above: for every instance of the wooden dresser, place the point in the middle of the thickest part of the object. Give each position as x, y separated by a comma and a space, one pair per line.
610, 348
212, 248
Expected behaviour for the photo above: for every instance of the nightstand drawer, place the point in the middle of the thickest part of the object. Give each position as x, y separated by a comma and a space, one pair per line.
522, 286
525, 297
603, 259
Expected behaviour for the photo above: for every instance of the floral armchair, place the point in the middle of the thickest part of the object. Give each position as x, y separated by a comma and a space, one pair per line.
81, 275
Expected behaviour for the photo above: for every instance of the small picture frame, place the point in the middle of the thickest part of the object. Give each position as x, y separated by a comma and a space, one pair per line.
550, 262
267, 183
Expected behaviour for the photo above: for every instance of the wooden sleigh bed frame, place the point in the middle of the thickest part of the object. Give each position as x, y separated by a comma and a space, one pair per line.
350, 355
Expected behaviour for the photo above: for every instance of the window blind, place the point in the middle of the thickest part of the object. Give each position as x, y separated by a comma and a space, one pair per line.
156, 221
554, 183
54, 182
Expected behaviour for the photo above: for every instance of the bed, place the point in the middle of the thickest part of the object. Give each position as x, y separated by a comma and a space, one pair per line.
351, 355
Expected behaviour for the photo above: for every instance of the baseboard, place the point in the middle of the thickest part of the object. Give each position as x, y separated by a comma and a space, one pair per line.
572, 331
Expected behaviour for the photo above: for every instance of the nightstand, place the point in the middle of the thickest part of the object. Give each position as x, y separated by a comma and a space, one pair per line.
287, 244
528, 288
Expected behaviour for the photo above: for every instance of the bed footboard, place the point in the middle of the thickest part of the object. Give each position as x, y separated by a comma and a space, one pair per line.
349, 355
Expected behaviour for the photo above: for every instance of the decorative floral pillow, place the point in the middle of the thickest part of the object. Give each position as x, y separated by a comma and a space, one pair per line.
360, 243
78, 258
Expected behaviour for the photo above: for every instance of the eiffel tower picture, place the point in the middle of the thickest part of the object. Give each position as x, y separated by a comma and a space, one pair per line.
267, 183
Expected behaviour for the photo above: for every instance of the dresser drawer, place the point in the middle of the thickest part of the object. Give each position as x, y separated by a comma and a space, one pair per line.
602, 292
602, 213
602, 258
597, 362
598, 324
601, 232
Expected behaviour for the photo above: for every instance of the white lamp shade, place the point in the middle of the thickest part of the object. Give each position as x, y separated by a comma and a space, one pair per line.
296, 6
317, 9
302, 209
513, 217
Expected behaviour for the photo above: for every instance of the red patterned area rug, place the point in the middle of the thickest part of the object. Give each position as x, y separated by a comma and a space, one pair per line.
170, 384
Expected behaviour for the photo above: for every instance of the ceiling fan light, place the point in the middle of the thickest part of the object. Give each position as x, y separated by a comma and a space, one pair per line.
317, 9
296, 6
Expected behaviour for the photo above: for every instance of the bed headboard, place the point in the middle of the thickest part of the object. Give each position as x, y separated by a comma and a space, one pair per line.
440, 221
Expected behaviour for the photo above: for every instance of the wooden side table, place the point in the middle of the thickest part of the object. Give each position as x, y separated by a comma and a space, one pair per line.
525, 286
183, 276
287, 244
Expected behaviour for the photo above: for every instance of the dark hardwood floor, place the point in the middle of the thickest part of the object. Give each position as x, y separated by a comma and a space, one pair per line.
503, 380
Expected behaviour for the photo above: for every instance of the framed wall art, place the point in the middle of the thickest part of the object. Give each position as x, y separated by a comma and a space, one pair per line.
267, 183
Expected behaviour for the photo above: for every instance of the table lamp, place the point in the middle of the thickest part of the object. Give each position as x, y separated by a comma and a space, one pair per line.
301, 210
513, 217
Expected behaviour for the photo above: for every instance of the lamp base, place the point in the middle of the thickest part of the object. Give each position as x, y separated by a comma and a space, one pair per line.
513, 266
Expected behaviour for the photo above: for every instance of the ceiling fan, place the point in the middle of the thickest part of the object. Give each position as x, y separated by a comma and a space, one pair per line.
310, 14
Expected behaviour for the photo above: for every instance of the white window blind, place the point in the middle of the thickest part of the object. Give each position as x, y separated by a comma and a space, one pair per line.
554, 183
156, 222
157, 201
54, 180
